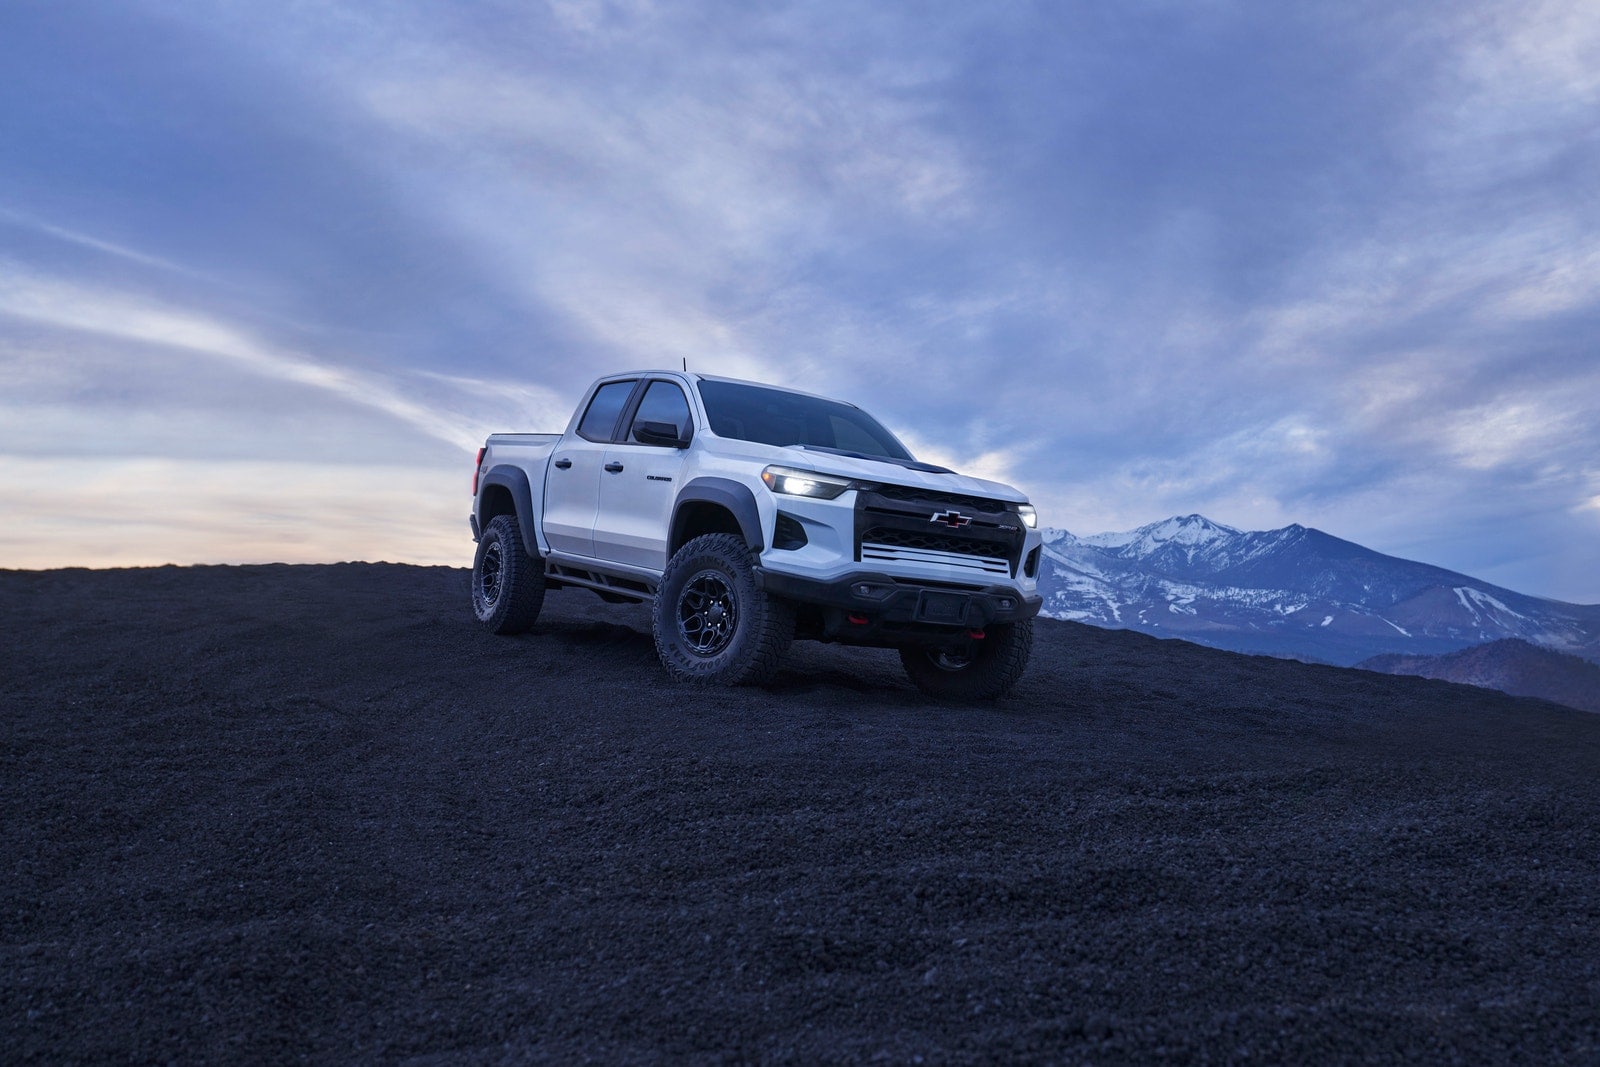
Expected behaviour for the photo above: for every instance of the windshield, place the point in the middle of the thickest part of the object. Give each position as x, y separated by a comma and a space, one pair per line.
775, 417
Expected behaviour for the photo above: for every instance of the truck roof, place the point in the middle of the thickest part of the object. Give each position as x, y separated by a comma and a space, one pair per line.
698, 377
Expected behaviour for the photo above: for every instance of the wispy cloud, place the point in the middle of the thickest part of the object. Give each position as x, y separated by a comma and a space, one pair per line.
131, 318
84, 240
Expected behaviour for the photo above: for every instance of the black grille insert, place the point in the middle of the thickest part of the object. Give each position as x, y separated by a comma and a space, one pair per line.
910, 495
936, 542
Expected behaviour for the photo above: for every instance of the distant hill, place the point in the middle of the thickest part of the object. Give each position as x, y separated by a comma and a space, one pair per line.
1294, 592
1511, 666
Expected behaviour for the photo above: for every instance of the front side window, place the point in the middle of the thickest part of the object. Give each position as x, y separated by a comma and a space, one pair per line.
600, 421
775, 417
663, 402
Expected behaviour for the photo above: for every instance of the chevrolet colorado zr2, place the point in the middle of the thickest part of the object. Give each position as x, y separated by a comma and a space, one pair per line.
748, 516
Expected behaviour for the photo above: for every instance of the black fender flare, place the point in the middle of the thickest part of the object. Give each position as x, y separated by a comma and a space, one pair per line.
514, 480
725, 493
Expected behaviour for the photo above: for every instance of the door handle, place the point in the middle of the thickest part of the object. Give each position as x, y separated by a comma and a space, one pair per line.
563, 464
614, 468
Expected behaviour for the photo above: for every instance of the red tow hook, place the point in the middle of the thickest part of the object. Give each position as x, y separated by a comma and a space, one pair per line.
976, 635
857, 620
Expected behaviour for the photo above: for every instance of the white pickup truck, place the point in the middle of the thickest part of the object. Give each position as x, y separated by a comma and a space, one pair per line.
750, 515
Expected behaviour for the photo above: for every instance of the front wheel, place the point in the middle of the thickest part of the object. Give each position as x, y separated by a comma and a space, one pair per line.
507, 580
713, 623
976, 668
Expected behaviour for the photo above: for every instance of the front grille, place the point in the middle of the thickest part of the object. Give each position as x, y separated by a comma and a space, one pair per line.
934, 542
897, 524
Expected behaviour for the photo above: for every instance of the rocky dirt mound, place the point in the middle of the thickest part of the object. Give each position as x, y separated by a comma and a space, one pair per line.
268, 813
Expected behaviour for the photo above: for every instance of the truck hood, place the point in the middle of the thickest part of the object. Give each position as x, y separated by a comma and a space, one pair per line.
861, 468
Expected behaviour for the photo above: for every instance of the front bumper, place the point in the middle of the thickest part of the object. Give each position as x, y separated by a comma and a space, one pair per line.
870, 607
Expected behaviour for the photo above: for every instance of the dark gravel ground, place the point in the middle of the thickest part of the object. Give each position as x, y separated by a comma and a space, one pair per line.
311, 813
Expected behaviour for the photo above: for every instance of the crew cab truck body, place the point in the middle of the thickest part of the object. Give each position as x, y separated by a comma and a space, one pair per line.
749, 515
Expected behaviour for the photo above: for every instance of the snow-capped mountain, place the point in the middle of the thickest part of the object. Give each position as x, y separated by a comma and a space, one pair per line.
1293, 592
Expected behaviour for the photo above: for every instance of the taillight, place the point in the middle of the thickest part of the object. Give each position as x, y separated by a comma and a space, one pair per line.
477, 465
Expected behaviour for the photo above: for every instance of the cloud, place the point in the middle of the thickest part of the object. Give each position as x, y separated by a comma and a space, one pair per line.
131, 318
1322, 264
669, 221
94, 243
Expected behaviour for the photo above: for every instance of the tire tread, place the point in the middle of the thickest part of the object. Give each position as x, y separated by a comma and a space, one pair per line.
522, 580
773, 619
994, 671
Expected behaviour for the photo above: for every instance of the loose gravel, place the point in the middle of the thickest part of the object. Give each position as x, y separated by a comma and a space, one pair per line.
313, 814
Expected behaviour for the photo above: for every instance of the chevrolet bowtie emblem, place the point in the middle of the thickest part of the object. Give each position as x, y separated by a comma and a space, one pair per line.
950, 518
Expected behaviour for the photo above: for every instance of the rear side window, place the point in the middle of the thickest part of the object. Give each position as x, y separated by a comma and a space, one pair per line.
663, 402
600, 421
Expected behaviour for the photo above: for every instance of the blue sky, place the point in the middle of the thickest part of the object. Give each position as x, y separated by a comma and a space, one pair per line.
268, 273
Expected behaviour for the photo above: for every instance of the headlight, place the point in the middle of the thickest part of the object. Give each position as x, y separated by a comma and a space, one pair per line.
1029, 517
804, 483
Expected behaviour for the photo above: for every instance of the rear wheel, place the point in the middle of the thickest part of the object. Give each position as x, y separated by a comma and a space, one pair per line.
507, 581
975, 668
713, 624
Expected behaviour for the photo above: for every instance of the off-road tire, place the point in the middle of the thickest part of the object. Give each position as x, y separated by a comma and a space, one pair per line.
976, 669
507, 581
713, 623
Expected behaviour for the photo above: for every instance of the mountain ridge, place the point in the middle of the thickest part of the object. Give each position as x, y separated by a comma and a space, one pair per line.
1295, 591
1511, 665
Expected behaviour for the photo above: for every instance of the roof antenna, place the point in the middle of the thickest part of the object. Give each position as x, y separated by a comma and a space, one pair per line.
686, 364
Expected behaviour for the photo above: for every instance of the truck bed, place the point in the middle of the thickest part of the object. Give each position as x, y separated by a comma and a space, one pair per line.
539, 444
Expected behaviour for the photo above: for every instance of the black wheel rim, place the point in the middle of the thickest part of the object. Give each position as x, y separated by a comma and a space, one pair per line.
708, 613
950, 659
489, 572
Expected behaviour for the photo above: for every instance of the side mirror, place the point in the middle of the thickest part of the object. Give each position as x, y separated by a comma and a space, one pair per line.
658, 433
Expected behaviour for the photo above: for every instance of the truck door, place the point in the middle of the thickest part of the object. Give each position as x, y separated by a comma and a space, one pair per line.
640, 480
572, 484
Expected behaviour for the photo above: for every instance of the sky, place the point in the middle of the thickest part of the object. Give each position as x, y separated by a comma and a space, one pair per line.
269, 273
